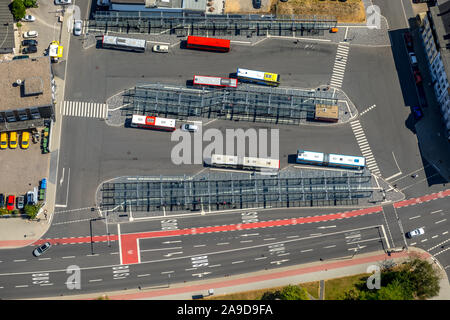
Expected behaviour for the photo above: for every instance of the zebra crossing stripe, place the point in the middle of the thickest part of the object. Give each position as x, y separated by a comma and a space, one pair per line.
84, 109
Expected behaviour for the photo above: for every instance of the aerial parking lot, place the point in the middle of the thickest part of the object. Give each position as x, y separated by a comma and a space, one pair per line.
205, 147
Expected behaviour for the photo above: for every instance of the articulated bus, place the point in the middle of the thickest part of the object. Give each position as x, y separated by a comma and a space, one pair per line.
210, 44
155, 123
226, 161
215, 81
130, 44
330, 160
266, 78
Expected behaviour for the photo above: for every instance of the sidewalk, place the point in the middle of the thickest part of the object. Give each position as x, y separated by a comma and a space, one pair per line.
316, 271
17, 232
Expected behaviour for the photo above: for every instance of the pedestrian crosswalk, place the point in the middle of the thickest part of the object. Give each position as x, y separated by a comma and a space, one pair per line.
371, 163
340, 63
84, 109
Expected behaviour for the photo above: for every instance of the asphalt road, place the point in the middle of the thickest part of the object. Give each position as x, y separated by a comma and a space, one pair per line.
92, 152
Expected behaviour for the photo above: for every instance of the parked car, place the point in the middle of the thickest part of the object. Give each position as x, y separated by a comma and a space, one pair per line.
10, 203
29, 42
408, 39
413, 58
20, 57
257, 4
30, 49
415, 233
2, 200
25, 142
20, 202
189, 127
30, 34
417, 112
63, 1
77, 26
417, 76
41, 249
31, 199
29, 18
13, 140
3, 140
161, 48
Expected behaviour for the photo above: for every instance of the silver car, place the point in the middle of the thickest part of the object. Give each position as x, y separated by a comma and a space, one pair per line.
189, 127
415, 232
77, 26
41, 249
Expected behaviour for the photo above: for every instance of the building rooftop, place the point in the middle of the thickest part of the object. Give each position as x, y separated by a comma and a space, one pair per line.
152, 3
6, 28
35, 88
194, 5
441, 20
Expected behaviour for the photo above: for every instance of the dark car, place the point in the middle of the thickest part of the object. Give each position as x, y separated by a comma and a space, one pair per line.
257, 4
2, 200
408, 39
29, 42
40, 250
417, 112
20, 57
30, 49
20, 202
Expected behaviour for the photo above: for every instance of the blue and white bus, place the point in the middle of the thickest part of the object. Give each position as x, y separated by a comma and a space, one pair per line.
330, 160
259, 77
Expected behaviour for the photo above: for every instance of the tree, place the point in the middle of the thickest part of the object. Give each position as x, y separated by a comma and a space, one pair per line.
30, 3
32, 210
424, 278
18, 9
289, 292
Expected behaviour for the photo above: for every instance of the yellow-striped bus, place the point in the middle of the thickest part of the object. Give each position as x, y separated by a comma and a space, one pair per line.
260, 77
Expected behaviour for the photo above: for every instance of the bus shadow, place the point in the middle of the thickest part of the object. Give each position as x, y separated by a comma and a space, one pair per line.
292, 158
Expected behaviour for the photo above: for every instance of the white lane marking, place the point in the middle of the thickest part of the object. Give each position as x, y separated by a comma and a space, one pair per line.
445, 232
415, 217
46, 284
260, 258
199, 245
114, 253
95, 280
240, 261
92, 255
20, 260
22, 286
326, 227
222, 243
209, 253
440, 221
332, 246
215, 265
268, 239
68, 257
165, 272
437, 211
290, 237
245, 241
413, 244
120, 242
160, 249
143, 275
168, 242
173, 253
42, 259
434, 236
307, 250
423, 240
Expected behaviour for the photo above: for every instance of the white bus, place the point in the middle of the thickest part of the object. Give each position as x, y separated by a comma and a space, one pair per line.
220, 160
260, 77
130, 44
155, 123
215, 81
330, 160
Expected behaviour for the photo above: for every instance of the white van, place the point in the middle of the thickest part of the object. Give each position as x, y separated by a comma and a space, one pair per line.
161, 48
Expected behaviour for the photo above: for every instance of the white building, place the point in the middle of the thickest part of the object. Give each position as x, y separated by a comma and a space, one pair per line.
435, 32
158, 5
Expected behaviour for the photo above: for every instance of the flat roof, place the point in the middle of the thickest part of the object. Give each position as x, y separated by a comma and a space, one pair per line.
36, 88
441, 20
325, 111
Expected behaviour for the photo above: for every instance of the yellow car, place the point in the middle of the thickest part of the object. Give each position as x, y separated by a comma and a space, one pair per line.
3, 140
25, 140
13, 140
